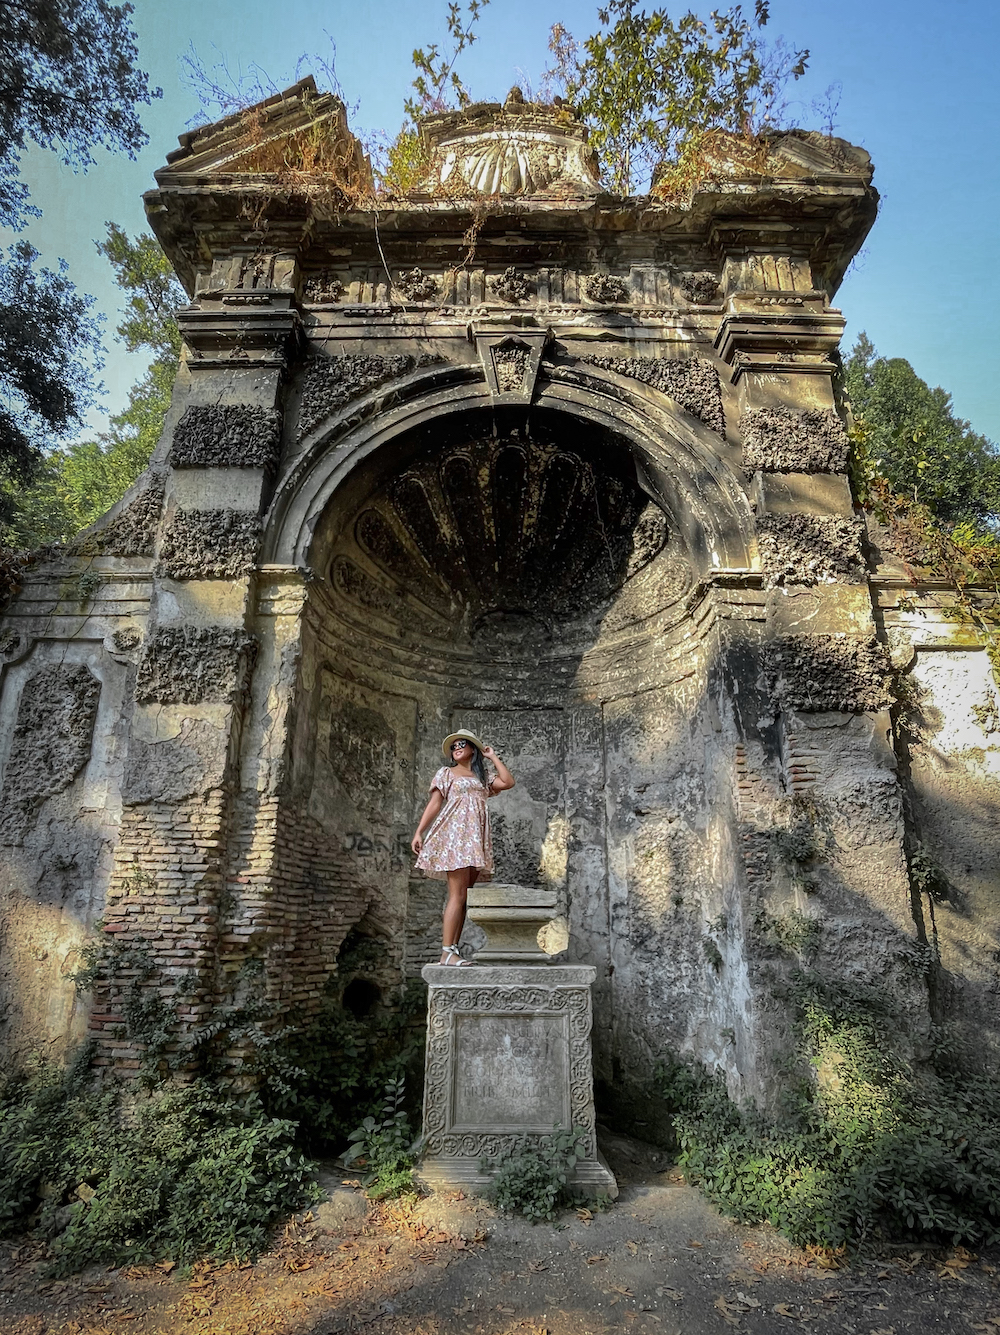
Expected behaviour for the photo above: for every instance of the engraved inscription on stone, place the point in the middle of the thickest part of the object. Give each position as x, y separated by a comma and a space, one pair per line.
511, 1072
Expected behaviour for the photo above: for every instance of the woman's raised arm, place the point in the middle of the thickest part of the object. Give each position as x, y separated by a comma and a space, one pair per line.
503, 779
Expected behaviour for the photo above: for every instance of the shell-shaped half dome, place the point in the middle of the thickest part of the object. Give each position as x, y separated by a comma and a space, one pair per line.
520, 148
530, 536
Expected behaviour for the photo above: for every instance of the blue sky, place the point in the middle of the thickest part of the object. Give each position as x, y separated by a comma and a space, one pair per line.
918, 88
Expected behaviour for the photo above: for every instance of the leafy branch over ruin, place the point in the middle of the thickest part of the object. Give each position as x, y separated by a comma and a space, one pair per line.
654, 92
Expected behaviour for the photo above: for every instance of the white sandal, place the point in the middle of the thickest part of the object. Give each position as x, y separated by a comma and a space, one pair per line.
458, 962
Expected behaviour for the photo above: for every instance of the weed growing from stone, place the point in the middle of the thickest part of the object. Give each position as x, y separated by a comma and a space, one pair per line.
927, 876
383, 1147
531, 1179
793, 932
868, 1147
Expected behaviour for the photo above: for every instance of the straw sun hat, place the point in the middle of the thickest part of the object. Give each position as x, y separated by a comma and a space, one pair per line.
457, 736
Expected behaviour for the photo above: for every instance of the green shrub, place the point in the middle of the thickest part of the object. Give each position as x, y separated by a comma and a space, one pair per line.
383, 1147
319, 1074
868, 1146
531, 1179
175, 1171
181, 1173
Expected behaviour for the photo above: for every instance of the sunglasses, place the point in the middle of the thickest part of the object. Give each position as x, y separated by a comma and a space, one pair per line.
460, 746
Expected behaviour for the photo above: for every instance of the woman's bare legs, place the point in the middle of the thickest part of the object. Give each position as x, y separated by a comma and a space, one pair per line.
459, 882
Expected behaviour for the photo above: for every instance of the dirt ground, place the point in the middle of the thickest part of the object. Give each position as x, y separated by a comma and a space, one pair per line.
661, 1261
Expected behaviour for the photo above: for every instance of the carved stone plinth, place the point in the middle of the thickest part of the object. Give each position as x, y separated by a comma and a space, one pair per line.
508, 1055
511, 916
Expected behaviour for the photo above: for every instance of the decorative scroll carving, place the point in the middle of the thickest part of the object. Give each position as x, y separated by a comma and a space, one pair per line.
843, 673
51, 744
692, 382
781, 440
234, 436
330, 382
210, 544
512, 286
195, 665
445, 1004
417, 286
607, 289
700, 288
807, 549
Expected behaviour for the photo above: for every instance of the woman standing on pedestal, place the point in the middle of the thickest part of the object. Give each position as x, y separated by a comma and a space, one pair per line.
452, 841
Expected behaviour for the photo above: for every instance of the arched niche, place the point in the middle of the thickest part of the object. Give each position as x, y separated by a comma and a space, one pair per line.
678, 459
534, 573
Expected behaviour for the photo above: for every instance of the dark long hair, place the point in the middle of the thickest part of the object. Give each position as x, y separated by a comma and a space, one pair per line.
478, 764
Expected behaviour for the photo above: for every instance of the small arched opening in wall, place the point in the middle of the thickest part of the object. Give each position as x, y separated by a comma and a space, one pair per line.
536, 575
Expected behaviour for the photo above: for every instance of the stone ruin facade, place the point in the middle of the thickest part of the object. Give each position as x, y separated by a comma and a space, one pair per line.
512, 454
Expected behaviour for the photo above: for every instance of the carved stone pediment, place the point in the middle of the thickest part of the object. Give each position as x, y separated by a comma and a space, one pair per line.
518, 149
228, 145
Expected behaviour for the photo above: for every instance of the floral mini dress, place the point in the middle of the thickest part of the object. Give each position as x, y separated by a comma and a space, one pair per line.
460, 835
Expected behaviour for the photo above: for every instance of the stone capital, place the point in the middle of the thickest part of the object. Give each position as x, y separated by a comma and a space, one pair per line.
792, 339
240, 331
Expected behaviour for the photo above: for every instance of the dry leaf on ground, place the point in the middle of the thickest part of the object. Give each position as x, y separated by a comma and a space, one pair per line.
731, 1315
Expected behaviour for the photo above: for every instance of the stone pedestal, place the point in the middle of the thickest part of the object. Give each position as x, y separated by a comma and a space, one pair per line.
508, 1055
512, 917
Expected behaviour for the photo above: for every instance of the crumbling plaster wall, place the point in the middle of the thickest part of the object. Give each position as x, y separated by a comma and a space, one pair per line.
270, 787
580, 732
953, 749
61, 724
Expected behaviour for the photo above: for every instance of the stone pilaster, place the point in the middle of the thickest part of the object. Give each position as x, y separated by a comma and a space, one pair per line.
169, 884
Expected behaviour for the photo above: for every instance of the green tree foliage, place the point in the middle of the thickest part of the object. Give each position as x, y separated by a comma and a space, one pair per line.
653, 89
908, 434
78, 483
437, 81
49, 351
402, 164
68, 81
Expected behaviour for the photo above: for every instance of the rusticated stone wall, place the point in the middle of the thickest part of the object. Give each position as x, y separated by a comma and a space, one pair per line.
692, 382
829, 672
227, 436
210, 544
195, 665
788, 441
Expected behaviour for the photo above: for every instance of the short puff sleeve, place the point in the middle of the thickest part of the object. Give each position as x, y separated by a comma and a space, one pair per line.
442, 780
